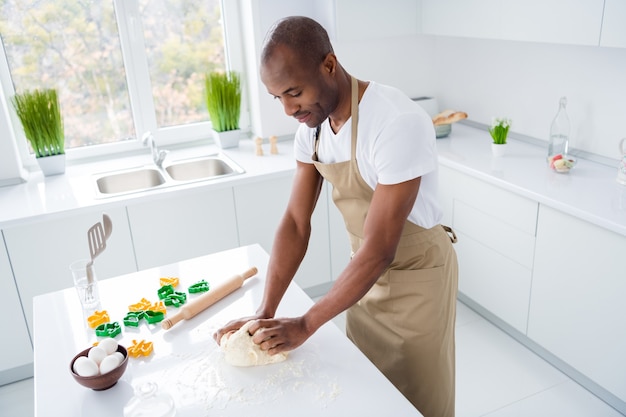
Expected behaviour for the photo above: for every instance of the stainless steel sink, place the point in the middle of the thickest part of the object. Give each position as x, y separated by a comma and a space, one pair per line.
202, 168
132, 180
179, 172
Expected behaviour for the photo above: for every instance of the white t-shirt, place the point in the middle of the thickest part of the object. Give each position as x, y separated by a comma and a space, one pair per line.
395, 143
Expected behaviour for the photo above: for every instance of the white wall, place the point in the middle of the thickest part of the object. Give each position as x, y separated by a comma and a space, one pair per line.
400, 59
485, 78
257, 17
524, 80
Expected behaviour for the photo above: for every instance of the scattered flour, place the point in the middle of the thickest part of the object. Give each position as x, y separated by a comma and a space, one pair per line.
204, 377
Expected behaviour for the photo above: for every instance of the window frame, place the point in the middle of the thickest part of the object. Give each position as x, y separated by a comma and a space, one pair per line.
139, 88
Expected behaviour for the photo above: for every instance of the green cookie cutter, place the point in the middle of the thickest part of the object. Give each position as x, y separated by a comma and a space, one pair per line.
175, 299
132, 318
153, 317
201, 286
171, 297
164, 291
109, 329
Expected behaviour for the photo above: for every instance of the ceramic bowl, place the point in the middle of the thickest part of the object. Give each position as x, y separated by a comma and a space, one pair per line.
104, 381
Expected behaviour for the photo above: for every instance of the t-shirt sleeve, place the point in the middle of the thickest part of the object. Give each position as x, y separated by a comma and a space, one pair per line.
304, 144
405, 149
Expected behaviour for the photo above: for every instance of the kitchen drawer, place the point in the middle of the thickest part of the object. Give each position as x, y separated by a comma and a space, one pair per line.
494, 281
495, 234
499, 204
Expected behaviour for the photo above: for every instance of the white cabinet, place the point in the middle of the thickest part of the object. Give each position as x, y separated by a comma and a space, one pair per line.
554, 21
496, 231
466, 18
260, 207
375, 19
613, 27
577, 309
189, 225
17, 354
41, 252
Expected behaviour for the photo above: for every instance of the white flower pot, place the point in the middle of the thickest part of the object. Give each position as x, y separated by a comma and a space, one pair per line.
498, 149
52, 165
227, 139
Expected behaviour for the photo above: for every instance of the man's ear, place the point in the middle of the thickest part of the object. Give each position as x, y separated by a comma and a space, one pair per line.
330, 63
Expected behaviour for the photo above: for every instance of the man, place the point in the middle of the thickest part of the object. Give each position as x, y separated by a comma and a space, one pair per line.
377, 148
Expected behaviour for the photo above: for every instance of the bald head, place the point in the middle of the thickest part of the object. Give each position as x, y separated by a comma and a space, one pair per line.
304, 37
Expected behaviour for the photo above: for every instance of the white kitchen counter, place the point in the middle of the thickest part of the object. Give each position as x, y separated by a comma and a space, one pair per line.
327, 375
43, 197
589, 191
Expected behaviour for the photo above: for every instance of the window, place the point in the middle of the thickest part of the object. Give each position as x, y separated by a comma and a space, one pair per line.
121, 67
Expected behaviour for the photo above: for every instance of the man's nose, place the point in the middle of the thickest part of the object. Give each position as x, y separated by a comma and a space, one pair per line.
291, 107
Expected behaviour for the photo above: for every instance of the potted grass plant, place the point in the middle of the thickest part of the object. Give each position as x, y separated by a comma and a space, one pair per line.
223, 99
499, 131
40, 114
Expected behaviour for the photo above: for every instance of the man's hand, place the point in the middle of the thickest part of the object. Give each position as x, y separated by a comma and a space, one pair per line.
279, 335
232, 326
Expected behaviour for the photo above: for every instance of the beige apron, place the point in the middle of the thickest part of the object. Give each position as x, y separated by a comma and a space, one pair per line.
405, 323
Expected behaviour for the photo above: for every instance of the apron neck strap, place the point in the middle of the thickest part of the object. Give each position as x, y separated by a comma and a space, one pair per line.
354, 109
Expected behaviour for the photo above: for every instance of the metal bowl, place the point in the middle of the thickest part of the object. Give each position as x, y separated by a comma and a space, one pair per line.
441, 131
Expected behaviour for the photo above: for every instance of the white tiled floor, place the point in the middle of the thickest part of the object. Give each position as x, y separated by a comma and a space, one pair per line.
496, 377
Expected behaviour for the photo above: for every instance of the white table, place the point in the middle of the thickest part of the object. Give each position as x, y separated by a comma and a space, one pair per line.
327, 375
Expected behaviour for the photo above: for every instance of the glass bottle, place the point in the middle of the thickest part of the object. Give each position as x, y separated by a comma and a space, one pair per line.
559, 132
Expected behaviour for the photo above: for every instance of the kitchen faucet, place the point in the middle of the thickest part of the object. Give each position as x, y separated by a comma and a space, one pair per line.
157, 156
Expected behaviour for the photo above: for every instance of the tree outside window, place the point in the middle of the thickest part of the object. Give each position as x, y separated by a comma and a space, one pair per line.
75, 47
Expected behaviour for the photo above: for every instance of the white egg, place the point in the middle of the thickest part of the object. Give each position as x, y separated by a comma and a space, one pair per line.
109, 345
109, 363
119, 355
84, 366
97, 354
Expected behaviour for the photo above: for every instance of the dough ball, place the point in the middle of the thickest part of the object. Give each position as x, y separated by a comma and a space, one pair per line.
240, 350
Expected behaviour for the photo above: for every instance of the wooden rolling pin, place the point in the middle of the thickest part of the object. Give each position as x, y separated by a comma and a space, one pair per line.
206, 300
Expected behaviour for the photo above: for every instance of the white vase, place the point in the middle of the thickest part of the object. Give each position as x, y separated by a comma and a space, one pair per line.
498, 149
227, 139
52, 165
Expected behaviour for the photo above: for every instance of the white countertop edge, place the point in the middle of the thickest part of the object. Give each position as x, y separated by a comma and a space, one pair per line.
465, 150
539, 197
582, 205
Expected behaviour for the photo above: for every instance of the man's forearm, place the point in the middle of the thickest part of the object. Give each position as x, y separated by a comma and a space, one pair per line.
288, 250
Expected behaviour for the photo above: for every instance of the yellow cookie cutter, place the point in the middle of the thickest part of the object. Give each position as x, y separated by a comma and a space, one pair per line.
158, 306
98, 318
141, 348
142, 305
173, 281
